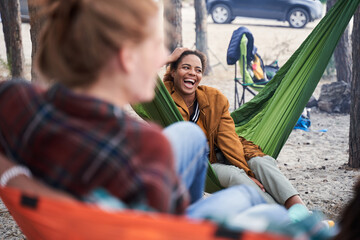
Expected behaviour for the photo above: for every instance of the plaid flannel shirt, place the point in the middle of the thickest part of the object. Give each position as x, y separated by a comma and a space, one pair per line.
77, 143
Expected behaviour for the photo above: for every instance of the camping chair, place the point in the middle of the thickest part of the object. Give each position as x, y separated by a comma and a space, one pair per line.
253, 76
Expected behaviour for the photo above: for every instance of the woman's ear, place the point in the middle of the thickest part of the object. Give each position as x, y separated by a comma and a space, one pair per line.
126, 59
172, 73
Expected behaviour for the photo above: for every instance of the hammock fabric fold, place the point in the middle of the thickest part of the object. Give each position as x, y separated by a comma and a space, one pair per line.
161, 109
47, 218
270, 116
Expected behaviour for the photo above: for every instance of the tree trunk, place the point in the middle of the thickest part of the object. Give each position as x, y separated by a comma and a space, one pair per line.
354, 135
173, 29
342, 53
201, 31
36, 22
6, 28
10, 13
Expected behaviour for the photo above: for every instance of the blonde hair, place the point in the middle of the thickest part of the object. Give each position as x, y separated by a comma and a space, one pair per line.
82, 35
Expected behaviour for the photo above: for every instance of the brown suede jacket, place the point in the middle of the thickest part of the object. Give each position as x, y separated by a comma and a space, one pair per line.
218, 126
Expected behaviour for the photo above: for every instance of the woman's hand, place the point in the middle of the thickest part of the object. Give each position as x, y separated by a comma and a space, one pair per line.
176, 54
258, 183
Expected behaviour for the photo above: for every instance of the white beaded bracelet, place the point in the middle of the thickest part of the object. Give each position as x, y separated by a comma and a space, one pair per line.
13, 172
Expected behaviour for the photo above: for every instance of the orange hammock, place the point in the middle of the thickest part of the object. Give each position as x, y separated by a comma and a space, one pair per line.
49, 218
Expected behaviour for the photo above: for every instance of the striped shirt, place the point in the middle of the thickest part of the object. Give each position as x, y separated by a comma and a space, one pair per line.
195, 116
78, 143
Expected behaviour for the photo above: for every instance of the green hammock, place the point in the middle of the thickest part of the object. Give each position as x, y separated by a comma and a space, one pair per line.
270, 116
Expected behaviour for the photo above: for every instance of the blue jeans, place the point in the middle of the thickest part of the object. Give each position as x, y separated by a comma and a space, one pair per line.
190, 148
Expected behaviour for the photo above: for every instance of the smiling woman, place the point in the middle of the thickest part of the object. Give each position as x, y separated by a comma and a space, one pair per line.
235, 160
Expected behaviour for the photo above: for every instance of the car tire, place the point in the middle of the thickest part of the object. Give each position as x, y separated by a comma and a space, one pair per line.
298, 18
221, 13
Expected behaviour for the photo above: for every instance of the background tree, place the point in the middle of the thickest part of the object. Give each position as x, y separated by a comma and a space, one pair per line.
342, 53
11, 20
173, 24
201, 30
354, 135
335, 97
6, 28
36, 22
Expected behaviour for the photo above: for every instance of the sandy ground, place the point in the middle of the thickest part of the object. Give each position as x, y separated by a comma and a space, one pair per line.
315, 162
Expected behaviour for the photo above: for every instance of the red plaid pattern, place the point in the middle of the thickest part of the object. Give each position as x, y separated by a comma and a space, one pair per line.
77, 143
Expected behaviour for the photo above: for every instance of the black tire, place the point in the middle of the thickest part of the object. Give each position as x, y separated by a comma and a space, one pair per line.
298, 18
221, 13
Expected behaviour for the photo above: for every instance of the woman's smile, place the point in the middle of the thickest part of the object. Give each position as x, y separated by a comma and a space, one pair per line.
189, 83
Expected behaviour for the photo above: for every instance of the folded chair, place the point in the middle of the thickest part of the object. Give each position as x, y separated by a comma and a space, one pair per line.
251, 68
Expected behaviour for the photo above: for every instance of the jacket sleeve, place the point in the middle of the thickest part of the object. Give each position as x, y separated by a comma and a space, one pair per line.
229, 142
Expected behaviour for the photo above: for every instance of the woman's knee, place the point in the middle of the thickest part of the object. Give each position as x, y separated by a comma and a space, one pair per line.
189, 144
247, 192
227, 170
256, 162
230, 175
185, 130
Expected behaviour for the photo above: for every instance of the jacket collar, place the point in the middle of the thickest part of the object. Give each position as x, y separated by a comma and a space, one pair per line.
202, 98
